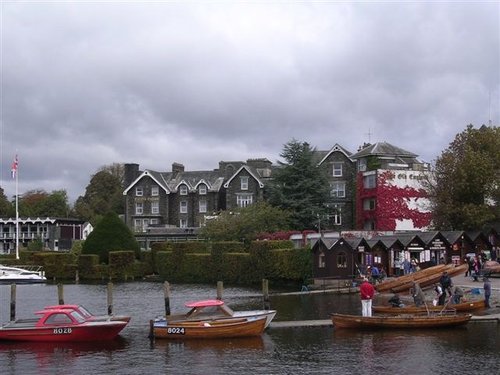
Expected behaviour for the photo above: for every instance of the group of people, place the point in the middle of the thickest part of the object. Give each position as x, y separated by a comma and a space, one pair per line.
443, 289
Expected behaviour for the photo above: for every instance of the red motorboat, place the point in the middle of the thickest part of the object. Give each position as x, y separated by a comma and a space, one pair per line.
87, 314
60, 325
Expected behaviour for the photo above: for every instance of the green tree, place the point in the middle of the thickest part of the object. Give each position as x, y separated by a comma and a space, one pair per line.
244, 224
104, 193
300, 185
465, 188
40, 203
110, 234
6, 208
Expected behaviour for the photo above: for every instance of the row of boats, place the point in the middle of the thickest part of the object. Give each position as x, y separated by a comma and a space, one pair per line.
214, 319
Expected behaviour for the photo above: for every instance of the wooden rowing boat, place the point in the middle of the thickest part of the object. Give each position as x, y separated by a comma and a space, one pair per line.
404, 283
217, 309
209, 329
399, 321
459, 307
408, 278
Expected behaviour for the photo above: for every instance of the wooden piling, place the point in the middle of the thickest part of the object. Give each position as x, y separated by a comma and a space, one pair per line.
265, 294
13, 302
166, 293
220, 287
60, 294
151, 334
110, 298
77, 277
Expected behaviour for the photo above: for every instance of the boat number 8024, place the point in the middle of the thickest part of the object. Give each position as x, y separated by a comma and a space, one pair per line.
62, 331
175, 330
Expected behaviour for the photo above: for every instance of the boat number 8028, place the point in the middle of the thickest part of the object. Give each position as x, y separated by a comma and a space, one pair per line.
62, 331
175, 331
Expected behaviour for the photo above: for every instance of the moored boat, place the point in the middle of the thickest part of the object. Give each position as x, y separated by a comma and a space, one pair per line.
217, 309
21, 275
459, 307
409, 321
60, 325
209, 329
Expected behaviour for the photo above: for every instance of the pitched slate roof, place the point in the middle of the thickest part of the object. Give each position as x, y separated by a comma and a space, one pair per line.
383, 149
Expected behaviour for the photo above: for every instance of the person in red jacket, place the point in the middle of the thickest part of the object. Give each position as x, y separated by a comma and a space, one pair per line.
367, 291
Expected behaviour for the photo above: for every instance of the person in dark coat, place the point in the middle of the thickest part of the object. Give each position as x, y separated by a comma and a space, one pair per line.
445, 282
487, 291
417, 294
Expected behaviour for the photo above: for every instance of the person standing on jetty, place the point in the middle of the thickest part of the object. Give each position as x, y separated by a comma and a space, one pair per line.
367, 291
487, 291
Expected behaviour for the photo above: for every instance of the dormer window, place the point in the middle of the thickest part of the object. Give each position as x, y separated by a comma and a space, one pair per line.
183, 190
139, 191
202, 189
244, 182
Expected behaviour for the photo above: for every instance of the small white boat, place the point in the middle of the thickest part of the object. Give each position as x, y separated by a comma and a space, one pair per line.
20, 275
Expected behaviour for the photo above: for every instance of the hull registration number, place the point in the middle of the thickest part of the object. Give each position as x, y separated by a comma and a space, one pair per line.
176, 331
62, 331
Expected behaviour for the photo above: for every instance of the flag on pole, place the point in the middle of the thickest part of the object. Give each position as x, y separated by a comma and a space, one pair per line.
13, 170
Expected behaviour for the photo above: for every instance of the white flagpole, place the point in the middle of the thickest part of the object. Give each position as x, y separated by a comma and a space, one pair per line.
17, 208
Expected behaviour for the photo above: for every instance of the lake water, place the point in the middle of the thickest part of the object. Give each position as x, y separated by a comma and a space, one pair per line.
319, 350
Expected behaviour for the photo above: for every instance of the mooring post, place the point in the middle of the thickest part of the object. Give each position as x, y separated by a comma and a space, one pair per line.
220, 287
110, 298
60, 294
13, 302
265, 293
151, 335
77, 277
166, 292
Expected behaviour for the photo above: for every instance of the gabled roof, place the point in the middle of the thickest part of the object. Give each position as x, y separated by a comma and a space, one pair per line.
335, 148
170, 181
453, 236
252, 173
383, 149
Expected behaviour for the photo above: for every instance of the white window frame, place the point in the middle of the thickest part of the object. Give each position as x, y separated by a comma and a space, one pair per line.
244, 182
369, 204
244, 199
155, 191
183, 190
337, 189
183, 223
154, 222
202, 189
337, 169
139, 191
138, 225
155, 207
139, 208
202, 205
183, 207
370, 181
321, 260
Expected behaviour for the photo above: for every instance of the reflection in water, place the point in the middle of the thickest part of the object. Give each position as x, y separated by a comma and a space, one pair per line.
215, 345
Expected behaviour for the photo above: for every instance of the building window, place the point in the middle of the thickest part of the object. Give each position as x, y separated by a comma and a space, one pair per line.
183, 190
203, 205
369, 204
139, 210
139, 192
155, 191
138, 225
154, 222
337, 169
243, 200
341, 260
183, 207
370, 181
369, 225
244, 182
202, 189
337, 189
337, 216
183, 223
155, 207
321, 260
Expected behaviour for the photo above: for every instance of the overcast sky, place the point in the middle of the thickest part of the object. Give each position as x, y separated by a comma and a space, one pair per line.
85, 84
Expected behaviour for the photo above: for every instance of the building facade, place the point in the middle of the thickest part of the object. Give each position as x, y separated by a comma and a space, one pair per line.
56, 234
